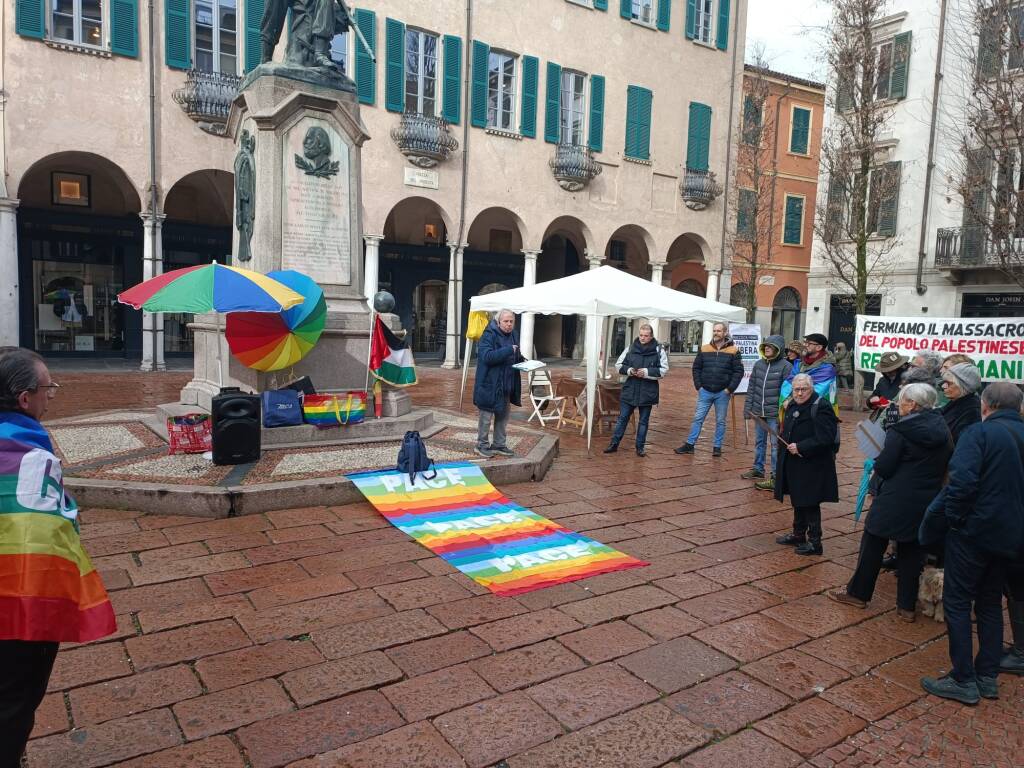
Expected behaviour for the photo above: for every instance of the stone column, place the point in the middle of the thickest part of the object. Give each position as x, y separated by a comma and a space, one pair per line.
152, 265
529, 278
371, 268
657, 268
451, 344
592, 259
9, 294
712, 293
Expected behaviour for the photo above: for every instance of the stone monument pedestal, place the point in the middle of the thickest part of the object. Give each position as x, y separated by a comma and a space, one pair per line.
297, 206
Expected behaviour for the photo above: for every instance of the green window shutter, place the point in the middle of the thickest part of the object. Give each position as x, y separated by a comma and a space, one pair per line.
800, 131
643, 133
977, 184
626, 9
888, 207
394, 65
478, 87
746, 213
552, 103
989, 45
751, 134
30, 18
528, 117
253, 44
844, 94
664, 14
177, 37
722, 41
124, 27
698, 139
793, 225
451, 106
601, 5
596, 141
632, 119
366, 67
691, 19
835, 209
900, 66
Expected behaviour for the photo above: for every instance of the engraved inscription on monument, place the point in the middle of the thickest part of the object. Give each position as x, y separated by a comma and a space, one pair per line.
316, 228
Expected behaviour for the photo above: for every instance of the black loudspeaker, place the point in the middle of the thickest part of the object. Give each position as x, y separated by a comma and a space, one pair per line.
236, 427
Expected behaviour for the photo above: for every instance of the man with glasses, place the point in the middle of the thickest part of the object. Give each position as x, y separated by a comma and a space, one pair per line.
49, 591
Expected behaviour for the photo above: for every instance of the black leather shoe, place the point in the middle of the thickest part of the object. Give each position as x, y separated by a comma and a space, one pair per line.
810, 547
716, 451
791, 540
641, 452
684, 448
611, 448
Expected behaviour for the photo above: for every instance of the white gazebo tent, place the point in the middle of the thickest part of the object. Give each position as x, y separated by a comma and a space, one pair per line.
601, 293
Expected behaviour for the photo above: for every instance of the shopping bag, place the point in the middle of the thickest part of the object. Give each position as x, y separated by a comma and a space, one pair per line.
190, 433
334, 409
281, 408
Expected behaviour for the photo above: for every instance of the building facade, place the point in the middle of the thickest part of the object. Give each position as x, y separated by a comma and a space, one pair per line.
931, 275
505, 148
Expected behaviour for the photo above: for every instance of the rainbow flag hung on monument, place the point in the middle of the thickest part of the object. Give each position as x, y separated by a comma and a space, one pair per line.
460, 516
49, 589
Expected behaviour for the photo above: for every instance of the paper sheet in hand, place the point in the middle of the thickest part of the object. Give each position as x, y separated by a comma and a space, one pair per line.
870, 438
529, 365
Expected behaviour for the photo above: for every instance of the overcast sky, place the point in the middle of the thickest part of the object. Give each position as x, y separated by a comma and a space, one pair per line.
790, 33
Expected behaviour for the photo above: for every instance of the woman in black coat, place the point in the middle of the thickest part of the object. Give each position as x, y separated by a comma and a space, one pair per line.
807, 467
912, 466
961, 384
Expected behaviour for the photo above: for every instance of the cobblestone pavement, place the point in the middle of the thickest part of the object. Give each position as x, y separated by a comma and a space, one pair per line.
323, 637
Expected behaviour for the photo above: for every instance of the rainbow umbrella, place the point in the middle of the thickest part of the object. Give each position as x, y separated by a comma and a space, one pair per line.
210, 288
270, 342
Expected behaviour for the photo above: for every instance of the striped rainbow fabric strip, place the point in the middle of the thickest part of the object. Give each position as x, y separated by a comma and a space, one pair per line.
332, 410
507, 548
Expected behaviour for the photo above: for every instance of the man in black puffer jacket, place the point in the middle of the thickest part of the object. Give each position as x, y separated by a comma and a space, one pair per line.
717, 371
762, 400
643, 363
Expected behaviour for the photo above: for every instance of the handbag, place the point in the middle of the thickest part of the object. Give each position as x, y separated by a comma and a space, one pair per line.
281, 408
191, 433
335, 409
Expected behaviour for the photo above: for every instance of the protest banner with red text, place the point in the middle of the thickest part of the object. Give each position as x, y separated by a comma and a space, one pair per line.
995, 344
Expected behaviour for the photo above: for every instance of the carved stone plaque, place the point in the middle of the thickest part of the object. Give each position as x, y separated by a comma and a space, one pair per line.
316, 210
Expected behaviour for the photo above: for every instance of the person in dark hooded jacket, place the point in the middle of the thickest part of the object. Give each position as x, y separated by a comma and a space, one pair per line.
961, 383
643, 363
762, 401
912, 469
497, 384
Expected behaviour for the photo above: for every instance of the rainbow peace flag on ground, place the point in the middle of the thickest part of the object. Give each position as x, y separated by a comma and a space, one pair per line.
460, 516
49, 589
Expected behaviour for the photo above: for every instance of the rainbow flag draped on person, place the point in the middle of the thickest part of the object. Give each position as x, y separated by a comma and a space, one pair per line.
457, 514
49, 589
823, 377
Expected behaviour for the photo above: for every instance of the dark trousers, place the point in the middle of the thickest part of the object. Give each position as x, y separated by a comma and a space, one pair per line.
1015, 581
24, 673
909, 564
973, 577
272, 23
625, 413
807, 522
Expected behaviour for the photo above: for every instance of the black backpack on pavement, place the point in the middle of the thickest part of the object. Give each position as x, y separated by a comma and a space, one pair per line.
412, 457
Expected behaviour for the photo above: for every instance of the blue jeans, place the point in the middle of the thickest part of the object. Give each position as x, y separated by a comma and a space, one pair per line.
973, 576
625, 413
761, 437
705, 400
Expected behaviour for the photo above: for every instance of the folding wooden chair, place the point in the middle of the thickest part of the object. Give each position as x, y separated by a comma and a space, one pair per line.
543, 397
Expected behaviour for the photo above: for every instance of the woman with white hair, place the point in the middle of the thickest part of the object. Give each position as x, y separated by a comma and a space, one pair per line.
807, 467
912, 469
961, 383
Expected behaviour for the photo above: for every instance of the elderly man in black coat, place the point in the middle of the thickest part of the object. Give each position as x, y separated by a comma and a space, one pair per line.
912, 468
643, 363
807, 467
980, 514
498, 385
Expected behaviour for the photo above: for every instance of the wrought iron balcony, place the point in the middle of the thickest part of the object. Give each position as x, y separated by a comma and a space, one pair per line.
206, 98
574, 167
425, 140
699, 189
971, 248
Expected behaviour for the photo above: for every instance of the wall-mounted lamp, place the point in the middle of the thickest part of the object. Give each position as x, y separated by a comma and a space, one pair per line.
815, 309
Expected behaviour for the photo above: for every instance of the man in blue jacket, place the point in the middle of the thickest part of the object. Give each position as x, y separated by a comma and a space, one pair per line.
497, 385
717, 371
980, 513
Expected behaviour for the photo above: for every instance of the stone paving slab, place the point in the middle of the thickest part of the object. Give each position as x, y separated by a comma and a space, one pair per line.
311, 635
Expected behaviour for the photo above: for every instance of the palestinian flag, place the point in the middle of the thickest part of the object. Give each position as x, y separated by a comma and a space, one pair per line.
390, 361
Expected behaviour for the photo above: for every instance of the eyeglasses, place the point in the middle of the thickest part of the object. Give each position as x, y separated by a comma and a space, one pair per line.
801, 389
51, 389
